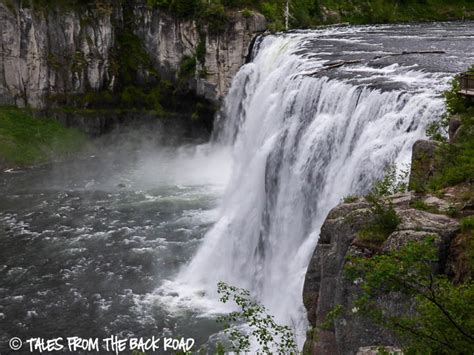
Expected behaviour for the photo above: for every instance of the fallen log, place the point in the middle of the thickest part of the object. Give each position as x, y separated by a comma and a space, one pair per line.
408, 53
333, 65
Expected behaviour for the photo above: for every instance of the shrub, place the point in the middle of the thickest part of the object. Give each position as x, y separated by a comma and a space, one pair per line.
467, 223
384, 221
201, 49
247, 13
391, 183
434, 316
438, 130
456, 160
187, 67
350, 198
423, 206
185, 8
269, 335
456, 103
215, 18
133, 96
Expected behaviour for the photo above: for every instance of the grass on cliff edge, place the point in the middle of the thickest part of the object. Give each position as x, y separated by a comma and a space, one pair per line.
26, 140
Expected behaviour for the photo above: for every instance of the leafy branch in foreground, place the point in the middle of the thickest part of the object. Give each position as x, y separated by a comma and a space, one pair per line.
435, 316
270, 336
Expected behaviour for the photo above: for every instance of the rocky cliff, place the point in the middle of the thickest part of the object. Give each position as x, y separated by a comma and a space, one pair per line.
61, 50
326, 285
420, 215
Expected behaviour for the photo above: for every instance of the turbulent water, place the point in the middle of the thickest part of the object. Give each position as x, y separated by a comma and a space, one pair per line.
136, 245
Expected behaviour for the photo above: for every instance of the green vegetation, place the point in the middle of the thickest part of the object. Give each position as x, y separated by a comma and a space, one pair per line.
467, 244
210, 13
421, 205
310, 13
304, 13
331, 317
270, 336
383, 219
383, 222
437, 316
393, 182
467, 223
350, 198
385, 11
456, 159
26, 140
187, 68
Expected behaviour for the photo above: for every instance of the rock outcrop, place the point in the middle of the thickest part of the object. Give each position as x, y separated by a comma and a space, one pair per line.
326, 285
424, 163
66, 50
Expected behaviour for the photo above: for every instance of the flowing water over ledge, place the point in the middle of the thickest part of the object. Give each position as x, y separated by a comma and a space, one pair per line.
134, 241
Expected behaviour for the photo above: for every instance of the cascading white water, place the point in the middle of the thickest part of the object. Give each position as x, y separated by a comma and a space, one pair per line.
299, 145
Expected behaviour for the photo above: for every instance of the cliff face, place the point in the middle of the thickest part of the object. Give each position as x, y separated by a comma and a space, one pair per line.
57, 51
327, 286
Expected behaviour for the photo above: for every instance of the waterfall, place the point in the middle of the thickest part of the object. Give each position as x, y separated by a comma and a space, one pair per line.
300, 143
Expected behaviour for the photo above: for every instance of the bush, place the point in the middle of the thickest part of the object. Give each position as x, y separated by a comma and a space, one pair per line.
133, 96
435, 316
384, 221
269, 335
350, 198
185, 8
247, 13
391, 183
201, 49
467, 223
423, 206
187, 67
455, 103
456, 160
215, 17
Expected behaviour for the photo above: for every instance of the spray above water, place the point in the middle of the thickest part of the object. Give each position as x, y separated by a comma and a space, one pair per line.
299, 144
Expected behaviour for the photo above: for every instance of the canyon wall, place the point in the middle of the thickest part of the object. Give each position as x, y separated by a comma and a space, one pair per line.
58, 50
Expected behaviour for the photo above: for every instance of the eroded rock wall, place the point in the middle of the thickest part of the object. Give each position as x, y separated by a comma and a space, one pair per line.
57, 51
